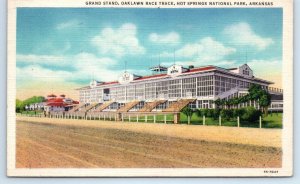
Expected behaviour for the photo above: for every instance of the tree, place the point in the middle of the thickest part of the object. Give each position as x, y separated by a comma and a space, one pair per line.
19, 106
188, 112
254, 91
265, 101
218, 102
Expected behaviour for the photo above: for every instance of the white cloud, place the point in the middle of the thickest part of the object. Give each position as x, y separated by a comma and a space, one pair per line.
39, 73
171, 38
82, 66
242, 34
42, 59
205, 49
118, 42
68, 24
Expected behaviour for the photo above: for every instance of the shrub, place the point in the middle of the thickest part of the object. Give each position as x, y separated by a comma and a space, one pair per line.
251, 114
227, 114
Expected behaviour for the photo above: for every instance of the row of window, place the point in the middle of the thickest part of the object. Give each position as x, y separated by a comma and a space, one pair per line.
203, 86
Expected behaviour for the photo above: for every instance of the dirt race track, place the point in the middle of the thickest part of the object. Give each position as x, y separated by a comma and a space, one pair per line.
41, 144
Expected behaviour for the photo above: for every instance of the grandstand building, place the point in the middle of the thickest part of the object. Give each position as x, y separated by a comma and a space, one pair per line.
172, 88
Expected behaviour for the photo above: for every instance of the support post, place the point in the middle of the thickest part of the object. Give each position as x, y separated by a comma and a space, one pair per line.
203, 120
220, 121
260, 122
137, 118
129, 117
165, 119
176, 118
146, 118
238, 121
154, 118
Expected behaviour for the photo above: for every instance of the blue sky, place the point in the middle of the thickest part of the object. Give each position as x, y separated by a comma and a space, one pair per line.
70, 46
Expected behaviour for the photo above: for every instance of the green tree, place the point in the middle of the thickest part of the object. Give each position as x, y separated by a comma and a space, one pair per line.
218, 102
265, 101
19, 106
254, 91
188, 112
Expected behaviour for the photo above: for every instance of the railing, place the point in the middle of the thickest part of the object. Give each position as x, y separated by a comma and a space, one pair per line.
275, 90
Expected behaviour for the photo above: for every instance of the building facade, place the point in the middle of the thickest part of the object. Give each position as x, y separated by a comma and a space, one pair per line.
205, 84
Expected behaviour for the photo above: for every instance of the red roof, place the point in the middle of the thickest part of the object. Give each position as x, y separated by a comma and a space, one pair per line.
59, 102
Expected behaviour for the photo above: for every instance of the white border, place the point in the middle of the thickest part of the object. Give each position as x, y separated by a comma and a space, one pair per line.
287, 138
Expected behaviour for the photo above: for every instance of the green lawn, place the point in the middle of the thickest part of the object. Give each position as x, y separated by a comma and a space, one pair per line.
31, 112
271, 121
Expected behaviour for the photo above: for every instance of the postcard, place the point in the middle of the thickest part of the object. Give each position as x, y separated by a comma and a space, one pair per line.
154, 88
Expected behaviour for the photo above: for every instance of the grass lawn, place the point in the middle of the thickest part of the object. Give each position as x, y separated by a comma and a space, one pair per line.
273, 120
31, 112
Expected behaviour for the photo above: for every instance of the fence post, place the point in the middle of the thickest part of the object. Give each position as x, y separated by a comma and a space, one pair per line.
203, 120
137, 118
259, 121
238, 121
122, 117
220, 121
146, 118
154, 118
129, 117
165, 119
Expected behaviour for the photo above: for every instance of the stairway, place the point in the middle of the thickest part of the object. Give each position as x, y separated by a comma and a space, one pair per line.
228, 93
91, 106
128, 106
76, 108
149, 106
103, 106
179, 105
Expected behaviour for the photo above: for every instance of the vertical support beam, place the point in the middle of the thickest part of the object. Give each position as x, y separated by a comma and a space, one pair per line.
197, 91
260, 125
203, 120
176, 118
181, 88
165, 119
146, 118
238, 121
220, 121
154, 118
137, 118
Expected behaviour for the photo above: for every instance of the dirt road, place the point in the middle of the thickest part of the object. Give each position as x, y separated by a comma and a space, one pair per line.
52, 145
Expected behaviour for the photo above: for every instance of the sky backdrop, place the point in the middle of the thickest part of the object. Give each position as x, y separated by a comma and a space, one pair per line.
60, 49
